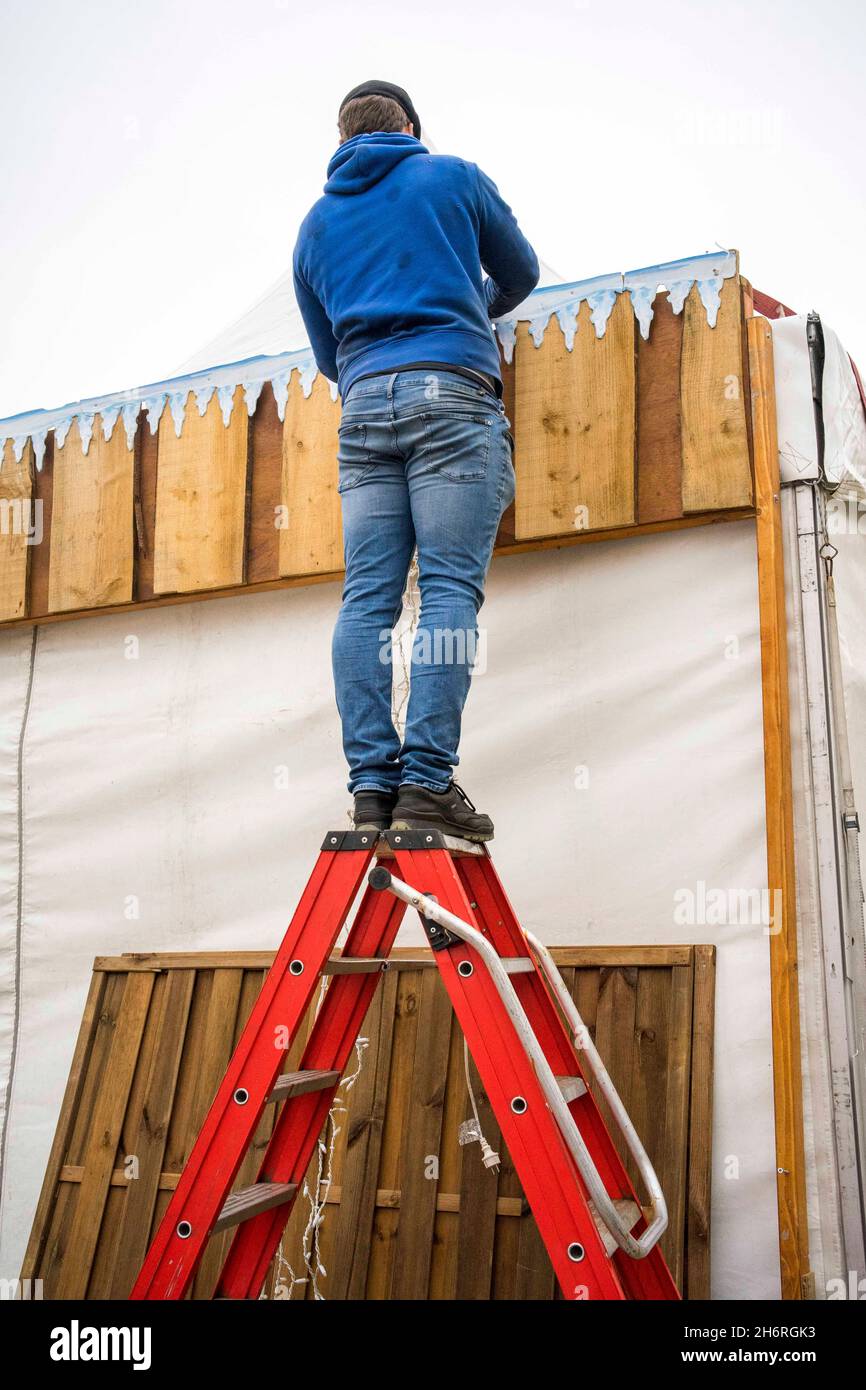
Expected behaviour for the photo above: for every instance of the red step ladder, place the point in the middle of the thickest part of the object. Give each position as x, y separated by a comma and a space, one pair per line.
527, 1040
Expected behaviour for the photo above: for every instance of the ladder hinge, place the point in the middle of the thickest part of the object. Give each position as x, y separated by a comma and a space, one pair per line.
437, 936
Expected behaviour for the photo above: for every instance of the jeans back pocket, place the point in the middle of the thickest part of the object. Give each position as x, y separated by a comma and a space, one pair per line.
457, 443
353, 458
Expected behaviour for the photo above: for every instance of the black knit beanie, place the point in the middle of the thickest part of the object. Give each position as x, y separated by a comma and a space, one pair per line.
387, 89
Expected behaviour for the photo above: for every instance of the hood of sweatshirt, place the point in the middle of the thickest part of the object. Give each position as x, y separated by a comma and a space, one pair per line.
365, 159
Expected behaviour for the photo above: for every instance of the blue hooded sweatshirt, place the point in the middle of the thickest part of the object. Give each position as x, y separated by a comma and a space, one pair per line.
388, 264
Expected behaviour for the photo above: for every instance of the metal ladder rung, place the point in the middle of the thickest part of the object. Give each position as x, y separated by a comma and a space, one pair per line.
518, 965
354, 965
629, 1212
298, 1083
250, 1201
571, 1087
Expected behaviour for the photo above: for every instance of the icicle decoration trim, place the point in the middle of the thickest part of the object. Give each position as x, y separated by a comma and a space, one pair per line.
677, 277
562, 301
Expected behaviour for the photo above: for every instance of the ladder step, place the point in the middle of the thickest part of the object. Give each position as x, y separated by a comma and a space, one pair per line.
354, 965
298, 1083
518, 965
454, 844
629, 1212
249, 1201
571, 1087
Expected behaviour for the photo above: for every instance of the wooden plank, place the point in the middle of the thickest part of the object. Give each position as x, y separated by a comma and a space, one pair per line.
403, 1043
19, 526
416, 957
659, 1096
182, 1129
222, 1028
107, 1247
672, 1162
335, 1137
266, 494
659, 422
697, 1243
781, 874
651, 1059
445, 1252
144, 505
684, 523
40, 560
91, 521
575, 427
201, 499
69, 1107
104, 1132
152, 1115
506, 1241
62, 1215
401, 958
298, 1247
387, 1197
422, 1138
747, 309
534, 1277
716, 466
312, 540
615, 1028
479, 1196
111, 1230
505, 534
348, 1274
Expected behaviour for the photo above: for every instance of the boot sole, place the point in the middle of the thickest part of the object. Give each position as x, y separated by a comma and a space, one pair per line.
446, 827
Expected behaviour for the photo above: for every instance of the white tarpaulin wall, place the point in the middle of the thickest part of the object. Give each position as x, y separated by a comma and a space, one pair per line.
179, 766
845, 466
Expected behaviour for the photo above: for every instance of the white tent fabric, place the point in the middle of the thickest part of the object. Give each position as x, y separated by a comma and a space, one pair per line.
844, 462
272, 325
153, 811
795, 411
844, 421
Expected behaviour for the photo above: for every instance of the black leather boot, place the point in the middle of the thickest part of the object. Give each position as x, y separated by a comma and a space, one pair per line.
373, 810
450, 811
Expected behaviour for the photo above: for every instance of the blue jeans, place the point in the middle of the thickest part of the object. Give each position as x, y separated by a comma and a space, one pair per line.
425, 458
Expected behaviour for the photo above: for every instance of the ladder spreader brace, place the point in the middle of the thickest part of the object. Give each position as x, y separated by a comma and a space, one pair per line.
523, 1031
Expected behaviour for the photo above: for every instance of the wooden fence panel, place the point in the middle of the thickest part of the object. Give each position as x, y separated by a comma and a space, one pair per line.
408, 1212
619, 435
91, 521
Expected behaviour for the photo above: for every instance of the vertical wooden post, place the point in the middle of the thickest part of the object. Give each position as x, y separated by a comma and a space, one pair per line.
787, 1077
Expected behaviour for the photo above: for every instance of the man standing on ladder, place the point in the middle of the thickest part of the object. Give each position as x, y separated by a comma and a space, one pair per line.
388, 272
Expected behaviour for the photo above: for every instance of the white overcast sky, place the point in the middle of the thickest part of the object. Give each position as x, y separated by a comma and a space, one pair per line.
156, 157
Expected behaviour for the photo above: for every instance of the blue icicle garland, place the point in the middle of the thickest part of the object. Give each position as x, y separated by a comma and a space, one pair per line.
708, 272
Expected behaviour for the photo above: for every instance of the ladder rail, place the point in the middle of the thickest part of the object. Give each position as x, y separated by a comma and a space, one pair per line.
638, 1247
583, 1042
